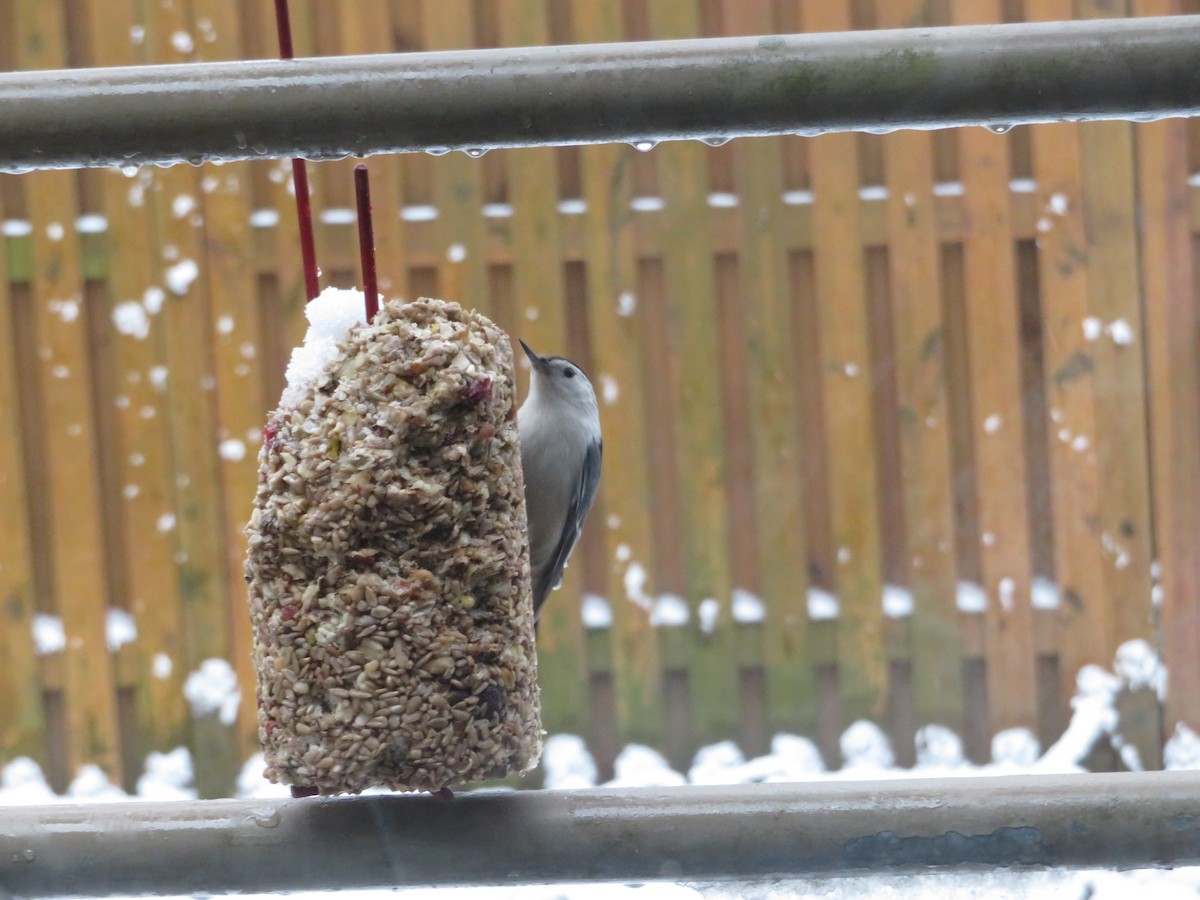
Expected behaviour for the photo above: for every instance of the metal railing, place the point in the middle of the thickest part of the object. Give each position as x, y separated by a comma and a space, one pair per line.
999, 75
723, 833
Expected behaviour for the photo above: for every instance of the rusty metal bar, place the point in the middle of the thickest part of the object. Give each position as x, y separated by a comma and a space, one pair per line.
692, 833
999, 75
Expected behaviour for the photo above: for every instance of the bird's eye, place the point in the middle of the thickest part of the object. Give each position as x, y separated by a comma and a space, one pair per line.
568, 372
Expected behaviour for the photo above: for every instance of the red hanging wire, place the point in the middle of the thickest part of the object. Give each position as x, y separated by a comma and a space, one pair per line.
366, 240
308, 251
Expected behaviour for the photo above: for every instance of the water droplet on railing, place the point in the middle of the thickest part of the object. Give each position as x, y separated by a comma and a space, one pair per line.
716, 141
999, 128
437, 151
475, 152
645, 146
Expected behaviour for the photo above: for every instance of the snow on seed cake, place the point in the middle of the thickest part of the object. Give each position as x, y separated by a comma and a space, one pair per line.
388, 558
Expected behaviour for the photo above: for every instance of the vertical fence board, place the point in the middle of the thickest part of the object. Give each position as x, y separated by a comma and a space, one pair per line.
846, 376
1085, 615
236, 328
1127, 525
689, 269
778, 490
1172, 323
996, 406
143, 465
365, 28
541, 319
201, 560
458, 179
618, 346
22, 726
927, 472
67, 438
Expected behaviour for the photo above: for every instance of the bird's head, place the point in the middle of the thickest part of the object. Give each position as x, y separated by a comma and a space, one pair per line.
558, 379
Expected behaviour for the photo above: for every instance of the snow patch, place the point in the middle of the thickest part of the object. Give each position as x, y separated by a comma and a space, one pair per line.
626, 303
153, 298
166, 523
91, 223
182, 205
747, 608
1044, 593
970, 597
1140, 668
182, 41
167, 776
1121, 332
232, 450
707, 612
596, 612
161, 666
897, 601
641, 766
181, 275
66, 310
1182, 750
670, 610
456, 253
567, 764
49, 635
330, 316
92, 785
119, 628
822, 605
423, 213
865, 748
264, 218
938, 747
212, 689
608, 389
130, 319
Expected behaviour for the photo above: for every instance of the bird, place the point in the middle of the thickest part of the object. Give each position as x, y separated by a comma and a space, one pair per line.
561, 449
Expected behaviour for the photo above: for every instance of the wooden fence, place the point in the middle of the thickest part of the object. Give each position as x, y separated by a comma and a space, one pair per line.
953, 370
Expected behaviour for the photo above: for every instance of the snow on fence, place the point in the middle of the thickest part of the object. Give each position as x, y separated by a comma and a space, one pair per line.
898, 427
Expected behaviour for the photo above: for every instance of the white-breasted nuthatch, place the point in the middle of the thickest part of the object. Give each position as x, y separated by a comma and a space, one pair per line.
559, 425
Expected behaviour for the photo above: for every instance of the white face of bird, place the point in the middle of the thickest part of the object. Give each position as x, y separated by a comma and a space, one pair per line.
559, 378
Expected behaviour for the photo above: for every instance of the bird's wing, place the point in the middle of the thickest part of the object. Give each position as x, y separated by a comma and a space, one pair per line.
577, 513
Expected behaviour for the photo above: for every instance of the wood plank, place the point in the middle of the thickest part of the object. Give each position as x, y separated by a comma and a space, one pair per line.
779, 494
1113, 240
1172, 322
620, 342
927, 465
22, 727
1064, 275
67, 439
997, 429
143, 465
846, 377
541, 320
238, 356
189, 404
366, 28
458, 179
701, 459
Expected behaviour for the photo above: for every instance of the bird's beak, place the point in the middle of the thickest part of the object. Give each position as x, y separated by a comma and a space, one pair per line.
534, 359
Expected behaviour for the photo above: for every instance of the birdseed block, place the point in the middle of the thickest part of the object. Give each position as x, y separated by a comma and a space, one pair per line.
388, 559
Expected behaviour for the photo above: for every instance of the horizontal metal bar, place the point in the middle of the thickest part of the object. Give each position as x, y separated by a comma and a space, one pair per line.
692, 833
645, 92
